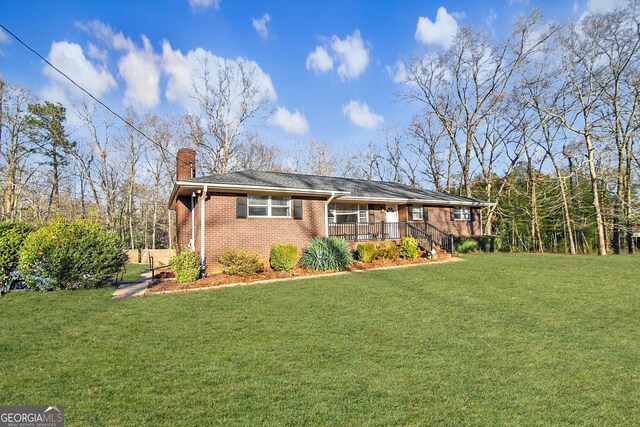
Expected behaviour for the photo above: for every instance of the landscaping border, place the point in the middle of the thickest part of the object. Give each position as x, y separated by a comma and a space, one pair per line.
286, 279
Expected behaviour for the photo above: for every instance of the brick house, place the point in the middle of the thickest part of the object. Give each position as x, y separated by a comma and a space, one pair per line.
254, 209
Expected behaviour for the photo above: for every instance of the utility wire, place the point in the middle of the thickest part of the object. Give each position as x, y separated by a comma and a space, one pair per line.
128, 123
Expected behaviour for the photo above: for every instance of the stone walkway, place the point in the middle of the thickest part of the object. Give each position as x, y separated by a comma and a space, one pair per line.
133, 289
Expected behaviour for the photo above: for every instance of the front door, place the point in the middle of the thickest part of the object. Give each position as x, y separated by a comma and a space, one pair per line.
392, 229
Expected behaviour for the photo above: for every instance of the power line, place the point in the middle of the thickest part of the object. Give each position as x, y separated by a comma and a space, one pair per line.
131, 125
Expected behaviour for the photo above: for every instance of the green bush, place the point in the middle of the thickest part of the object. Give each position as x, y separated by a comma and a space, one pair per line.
478, 243
71, 255
283, 256
389, 250
186, 266
326, 253
467, 244
409, 248
239, 262
367, 252
12, 236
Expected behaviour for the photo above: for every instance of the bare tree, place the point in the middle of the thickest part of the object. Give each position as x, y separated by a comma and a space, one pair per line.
463, 86
15, 145
230, 96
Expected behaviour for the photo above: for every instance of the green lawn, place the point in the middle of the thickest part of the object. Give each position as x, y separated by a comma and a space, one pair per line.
497, 339
132, 271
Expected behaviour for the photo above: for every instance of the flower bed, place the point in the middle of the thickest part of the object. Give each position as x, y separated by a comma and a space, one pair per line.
218, 279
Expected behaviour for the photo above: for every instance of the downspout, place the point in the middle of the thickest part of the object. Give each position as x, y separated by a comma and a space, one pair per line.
192, 243
326, 214
202, 222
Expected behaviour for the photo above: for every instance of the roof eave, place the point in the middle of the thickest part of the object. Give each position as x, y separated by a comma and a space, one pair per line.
238, 187
434, 202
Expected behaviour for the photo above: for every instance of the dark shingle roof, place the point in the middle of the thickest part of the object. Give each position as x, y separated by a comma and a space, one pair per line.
356, 187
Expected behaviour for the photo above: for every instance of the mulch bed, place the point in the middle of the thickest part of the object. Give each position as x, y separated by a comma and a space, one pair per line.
166, 282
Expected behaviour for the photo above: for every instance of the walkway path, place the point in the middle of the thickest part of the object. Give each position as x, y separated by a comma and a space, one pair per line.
133, 289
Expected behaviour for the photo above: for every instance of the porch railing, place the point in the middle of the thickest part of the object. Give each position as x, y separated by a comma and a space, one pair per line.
366, 231
427, 234
424, 230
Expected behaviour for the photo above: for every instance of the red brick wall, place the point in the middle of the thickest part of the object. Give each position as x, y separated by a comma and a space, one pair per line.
183, 221
225, 231
440, 217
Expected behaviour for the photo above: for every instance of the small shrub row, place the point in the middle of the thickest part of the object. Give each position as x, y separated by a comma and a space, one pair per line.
388, 249
478, 243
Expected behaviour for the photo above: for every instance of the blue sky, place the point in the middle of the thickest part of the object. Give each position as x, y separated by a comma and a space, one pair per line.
330, 64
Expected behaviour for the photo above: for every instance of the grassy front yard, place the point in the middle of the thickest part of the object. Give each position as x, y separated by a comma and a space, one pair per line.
498, 339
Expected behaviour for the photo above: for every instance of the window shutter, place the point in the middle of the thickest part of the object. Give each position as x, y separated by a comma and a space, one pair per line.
410, 215
453, 217
425, 213
241, 206
372, 214
297, 209
471, 214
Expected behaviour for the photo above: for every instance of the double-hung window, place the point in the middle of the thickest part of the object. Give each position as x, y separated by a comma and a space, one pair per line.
416, 213
342, 213
269, 206
461, 214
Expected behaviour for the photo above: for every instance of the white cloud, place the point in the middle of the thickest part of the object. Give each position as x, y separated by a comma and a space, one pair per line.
319, 60
139, 69
204, 4
441, 32
260, 25
352, 55
290, 122
96, 53
361, 115
576, 5
4, 37
70, 59
185, 70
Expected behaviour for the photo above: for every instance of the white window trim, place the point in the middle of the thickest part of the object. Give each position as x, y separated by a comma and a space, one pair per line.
418, 207
331, 213
268, 206
459, 210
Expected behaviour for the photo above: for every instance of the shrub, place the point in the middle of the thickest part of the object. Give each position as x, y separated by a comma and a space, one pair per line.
326, 253
409, 248
12, 236
367, 252
467, 244
283, 256
389, 249
186, 266
71, 255
239, 262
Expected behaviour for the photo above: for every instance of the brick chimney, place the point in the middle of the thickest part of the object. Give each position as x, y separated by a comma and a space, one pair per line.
186, 164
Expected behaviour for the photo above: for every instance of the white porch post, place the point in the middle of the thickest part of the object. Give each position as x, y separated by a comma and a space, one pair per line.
326, 214
202, 223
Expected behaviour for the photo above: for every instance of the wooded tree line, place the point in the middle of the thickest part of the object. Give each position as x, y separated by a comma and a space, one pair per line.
544, 123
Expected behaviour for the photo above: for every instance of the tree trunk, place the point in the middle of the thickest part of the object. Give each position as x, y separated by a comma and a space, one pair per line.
593, 177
